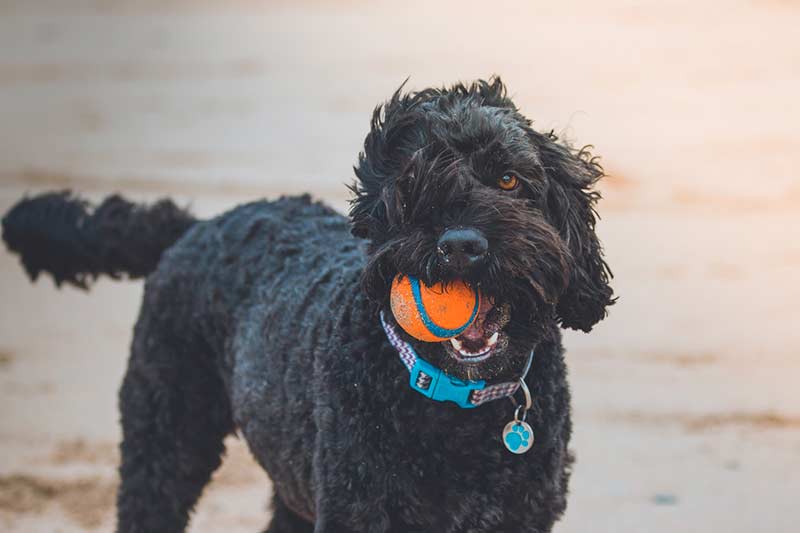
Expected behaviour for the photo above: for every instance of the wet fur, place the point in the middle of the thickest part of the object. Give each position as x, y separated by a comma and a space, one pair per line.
264, 321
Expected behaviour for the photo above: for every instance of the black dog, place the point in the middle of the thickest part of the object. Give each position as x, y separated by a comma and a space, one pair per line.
267, 320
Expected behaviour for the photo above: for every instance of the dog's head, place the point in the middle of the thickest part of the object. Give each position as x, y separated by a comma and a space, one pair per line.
455, 184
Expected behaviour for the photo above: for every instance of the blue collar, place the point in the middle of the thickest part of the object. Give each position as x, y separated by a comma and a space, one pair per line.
434, 383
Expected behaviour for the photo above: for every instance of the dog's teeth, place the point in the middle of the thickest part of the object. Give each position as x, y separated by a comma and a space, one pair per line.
493, 339
457, 344
490, 342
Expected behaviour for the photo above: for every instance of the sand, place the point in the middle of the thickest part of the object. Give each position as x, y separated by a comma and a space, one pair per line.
687, 410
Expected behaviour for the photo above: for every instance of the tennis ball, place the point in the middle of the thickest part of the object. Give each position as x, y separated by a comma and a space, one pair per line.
434, 313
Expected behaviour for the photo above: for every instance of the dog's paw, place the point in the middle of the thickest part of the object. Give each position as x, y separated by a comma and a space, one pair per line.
517, 438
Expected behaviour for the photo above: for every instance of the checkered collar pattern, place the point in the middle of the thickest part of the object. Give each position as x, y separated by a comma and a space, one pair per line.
479, 392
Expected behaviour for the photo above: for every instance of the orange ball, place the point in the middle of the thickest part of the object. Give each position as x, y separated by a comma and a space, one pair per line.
434, 313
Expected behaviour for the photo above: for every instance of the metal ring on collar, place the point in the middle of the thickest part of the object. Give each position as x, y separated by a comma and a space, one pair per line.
528, 399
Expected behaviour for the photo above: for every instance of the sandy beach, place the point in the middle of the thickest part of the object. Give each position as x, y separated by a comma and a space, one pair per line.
686, 400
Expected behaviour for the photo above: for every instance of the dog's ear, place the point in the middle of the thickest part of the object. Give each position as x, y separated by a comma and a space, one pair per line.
385, 149
570, 206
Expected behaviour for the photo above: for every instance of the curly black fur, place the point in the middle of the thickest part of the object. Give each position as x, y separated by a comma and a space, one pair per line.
256, 321
60, 234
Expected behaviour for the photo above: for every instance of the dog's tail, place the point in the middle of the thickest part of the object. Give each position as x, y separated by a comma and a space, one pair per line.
62, 234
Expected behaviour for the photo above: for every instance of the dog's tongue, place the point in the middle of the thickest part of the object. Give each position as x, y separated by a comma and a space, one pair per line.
476, 330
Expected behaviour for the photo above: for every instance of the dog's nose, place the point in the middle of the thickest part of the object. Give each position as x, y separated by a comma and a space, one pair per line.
462, 248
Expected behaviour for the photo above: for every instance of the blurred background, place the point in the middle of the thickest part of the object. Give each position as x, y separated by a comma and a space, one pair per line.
687, 409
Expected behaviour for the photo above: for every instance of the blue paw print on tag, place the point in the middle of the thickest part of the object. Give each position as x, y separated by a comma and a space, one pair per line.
518, 437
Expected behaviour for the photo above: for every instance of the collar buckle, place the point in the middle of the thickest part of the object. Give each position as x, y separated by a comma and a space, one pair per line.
433, 383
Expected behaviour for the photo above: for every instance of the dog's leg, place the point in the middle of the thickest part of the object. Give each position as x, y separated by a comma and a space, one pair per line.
175, 415
286, 521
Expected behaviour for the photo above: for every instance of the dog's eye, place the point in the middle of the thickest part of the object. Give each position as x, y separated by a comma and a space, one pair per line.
508, 182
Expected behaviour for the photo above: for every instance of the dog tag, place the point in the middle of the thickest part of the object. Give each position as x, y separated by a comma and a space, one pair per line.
518, 436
